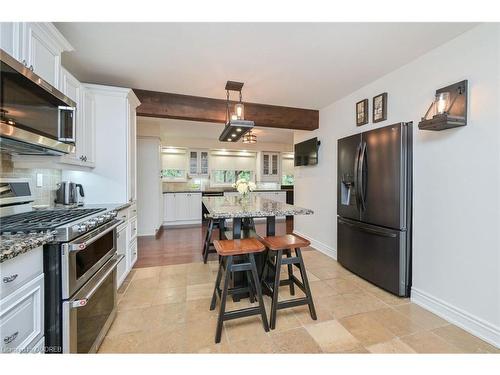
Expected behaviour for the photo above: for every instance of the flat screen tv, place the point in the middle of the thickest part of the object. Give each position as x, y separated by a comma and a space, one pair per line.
306, 153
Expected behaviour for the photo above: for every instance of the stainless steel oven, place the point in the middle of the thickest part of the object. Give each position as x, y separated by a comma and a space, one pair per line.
82, 257
87, 316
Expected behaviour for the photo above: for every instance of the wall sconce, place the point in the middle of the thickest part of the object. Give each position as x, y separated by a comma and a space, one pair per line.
448, 110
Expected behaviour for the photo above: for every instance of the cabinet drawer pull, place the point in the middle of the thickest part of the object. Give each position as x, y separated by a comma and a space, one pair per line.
11, 278
9, 339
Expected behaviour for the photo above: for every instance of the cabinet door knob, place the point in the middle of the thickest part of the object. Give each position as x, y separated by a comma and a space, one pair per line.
9, 279
31, 67
24, 63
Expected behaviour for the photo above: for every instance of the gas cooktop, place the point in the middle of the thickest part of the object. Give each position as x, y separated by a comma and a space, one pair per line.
37, 221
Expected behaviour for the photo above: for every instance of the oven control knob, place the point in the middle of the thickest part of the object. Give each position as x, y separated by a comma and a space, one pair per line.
100, 219
113, 213
80, 228
91, 223
106, 216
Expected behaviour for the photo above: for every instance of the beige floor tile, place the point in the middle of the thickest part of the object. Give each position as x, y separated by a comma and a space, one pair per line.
420, 316
304, 317
175, 269
124, 343
258, 344
201, 277
343, 285
393, 346
285, 320
172, 281
244, 329
332, 337
367, 330
296, 340
321, 288
127, 321
221, 348
428, 342
166, 339
136, 299
325, 273
144, 283
162, 315
145, 273
169, 295
343, 305
199, 310
464, 340
199, 291
396, 322
201, 334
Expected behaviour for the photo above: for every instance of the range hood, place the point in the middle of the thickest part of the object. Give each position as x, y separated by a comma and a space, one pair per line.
35, 117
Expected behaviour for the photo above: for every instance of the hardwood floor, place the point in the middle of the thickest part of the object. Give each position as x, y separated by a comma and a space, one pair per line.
184, 245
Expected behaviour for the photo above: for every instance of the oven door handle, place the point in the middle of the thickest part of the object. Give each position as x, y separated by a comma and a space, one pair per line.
92, 238
83, 297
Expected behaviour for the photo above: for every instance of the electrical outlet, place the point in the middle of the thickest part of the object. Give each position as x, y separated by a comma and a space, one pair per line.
39, 180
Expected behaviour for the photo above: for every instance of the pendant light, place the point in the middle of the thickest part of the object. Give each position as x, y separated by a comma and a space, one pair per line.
236, 125
249, 137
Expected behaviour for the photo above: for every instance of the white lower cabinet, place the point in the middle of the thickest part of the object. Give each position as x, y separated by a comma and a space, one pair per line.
181, 208
21, 317
126, 241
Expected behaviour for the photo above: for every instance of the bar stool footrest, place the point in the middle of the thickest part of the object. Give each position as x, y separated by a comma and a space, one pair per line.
292, 303
241, 313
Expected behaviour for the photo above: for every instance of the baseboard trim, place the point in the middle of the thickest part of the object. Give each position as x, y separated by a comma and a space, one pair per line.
318, 245
470, 323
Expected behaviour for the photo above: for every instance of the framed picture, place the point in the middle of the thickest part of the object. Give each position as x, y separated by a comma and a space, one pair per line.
362, 112
380, 107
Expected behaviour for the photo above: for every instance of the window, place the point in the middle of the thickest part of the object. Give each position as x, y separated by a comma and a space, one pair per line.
287, 179
172, 174
228, 177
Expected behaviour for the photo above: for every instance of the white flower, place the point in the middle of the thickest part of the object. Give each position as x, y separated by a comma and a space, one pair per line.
252, 186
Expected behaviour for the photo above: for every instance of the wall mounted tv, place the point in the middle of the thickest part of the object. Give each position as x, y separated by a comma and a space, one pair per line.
306, 153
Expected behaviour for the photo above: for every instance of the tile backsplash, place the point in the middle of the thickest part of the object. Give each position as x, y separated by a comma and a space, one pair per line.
50, 179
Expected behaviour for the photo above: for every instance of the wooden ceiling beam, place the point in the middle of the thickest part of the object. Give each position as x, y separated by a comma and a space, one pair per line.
197, 108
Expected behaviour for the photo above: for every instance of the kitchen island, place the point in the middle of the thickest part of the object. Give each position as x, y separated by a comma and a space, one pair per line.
242, 211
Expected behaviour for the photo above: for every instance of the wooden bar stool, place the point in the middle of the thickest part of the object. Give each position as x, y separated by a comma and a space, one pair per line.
279, 245
208, 246
238, 256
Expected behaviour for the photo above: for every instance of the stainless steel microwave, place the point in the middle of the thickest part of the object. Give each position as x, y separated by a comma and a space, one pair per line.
35, 118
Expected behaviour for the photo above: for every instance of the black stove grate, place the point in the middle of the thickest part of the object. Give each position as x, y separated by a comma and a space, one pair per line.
43, 220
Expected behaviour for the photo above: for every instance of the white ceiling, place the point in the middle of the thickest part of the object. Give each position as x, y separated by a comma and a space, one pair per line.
170, 128
307, 65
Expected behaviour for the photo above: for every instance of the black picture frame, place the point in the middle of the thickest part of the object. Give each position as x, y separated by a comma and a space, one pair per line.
362, 112
379, 109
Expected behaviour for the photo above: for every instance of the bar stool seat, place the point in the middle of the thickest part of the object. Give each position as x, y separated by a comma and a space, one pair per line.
288, 241
238, 256
279, 246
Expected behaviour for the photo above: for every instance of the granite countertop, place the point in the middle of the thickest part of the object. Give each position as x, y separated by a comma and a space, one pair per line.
219, 190
235, 207
12, 245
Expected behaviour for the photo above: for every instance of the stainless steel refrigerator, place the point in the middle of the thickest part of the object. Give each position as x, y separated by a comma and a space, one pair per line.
374, 196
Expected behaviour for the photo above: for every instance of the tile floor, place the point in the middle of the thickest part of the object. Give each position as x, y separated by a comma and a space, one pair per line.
165, 309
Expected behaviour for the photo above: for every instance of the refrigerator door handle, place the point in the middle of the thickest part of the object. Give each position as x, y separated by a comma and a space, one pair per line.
368, 230
361, 182
356, 168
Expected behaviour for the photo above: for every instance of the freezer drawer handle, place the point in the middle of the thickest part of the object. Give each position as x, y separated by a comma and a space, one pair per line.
369, 230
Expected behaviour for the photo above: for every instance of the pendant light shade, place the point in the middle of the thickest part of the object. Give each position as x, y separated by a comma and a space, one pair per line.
236, 125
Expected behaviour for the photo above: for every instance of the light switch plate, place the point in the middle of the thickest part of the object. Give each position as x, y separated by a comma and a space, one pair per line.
39, 180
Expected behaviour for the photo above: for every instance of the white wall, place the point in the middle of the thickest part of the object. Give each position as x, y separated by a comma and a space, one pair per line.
149, 189
456, 247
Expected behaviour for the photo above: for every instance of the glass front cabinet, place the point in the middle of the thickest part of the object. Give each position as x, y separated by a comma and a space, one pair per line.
198, 163
270, 169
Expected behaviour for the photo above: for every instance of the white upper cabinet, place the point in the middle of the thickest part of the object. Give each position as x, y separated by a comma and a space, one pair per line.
10, 40
270, 166
38, 45
42, 45
198, 162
